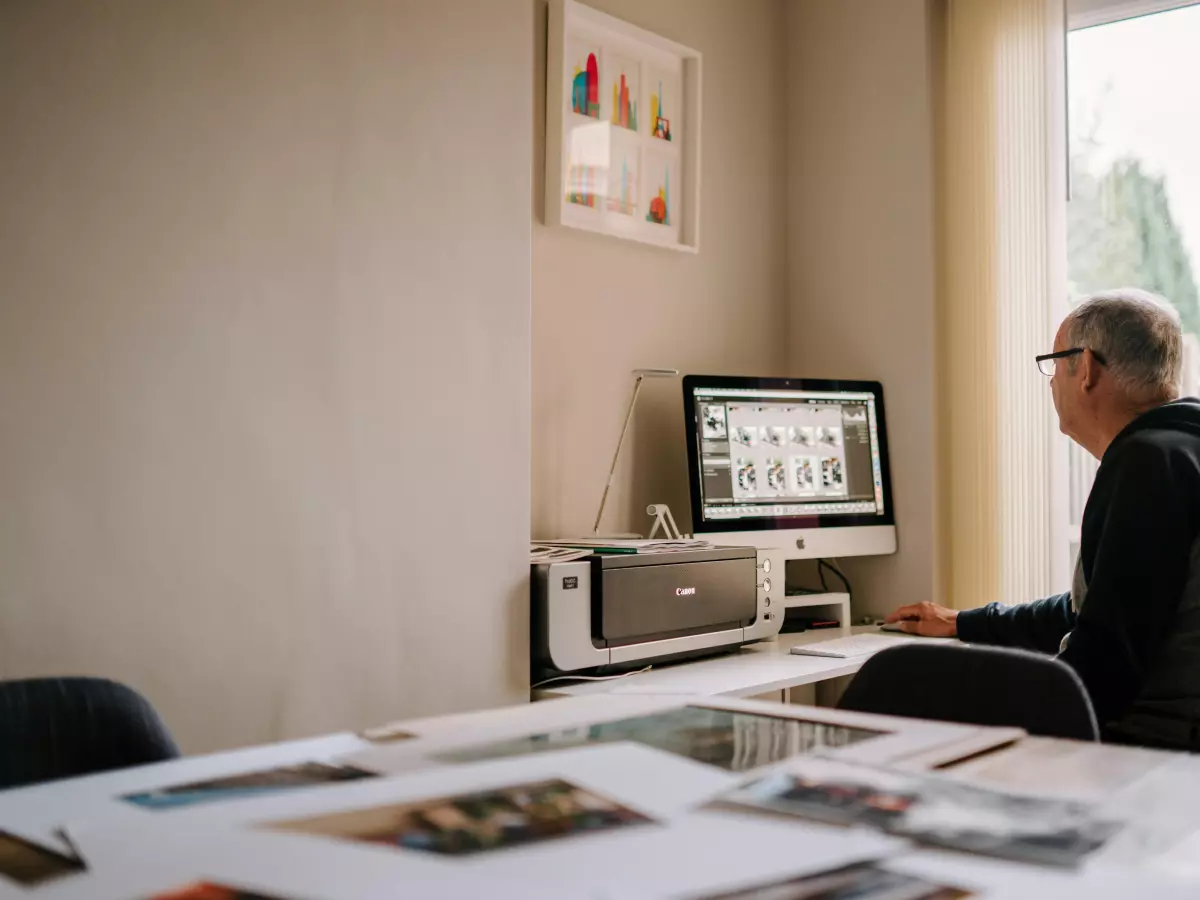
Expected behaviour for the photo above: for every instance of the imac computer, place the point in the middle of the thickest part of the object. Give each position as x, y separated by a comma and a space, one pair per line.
793, 464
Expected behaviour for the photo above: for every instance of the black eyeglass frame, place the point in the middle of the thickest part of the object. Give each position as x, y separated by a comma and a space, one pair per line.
1063, 354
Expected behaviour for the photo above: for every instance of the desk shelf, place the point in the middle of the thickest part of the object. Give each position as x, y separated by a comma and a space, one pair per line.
837, 603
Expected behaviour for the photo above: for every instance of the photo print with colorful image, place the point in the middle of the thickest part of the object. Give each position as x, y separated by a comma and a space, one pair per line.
479, 821
246, 784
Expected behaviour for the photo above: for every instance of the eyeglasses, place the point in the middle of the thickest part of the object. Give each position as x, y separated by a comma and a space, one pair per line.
1046, 361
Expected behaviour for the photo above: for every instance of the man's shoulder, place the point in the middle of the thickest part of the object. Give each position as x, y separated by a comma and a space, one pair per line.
1152, 456
1172, 426
1148, 443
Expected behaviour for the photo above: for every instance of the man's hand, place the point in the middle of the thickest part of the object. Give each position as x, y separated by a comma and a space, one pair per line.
926, 619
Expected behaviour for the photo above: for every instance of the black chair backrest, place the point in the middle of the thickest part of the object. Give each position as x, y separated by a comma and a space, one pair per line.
60, 727
978, 685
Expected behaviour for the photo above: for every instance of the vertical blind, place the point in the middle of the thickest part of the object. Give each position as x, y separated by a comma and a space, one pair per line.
1001, 187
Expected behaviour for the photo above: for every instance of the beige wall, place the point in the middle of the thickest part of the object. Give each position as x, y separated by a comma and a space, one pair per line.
861, 245
264, 356
603, 306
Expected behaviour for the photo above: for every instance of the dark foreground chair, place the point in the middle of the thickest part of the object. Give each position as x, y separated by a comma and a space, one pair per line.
59, 727
976, 685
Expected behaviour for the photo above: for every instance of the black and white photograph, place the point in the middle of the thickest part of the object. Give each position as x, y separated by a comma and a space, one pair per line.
776, 476
802, 435
746, 484
803, 474
829, 436
931, 810
832, 475
712, 422
746, 435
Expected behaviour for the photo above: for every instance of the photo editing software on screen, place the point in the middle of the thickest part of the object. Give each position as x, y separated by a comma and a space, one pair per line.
779, 453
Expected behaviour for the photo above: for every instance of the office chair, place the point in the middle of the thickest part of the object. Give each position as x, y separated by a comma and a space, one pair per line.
60, 727
977, 685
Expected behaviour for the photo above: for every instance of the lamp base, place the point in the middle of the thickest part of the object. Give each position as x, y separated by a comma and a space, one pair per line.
664, 520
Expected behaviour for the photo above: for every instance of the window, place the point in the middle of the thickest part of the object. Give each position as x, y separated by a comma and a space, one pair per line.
1134, 214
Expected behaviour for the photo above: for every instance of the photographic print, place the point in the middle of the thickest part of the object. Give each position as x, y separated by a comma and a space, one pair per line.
267, 781
206, 890
713, 423
747, 436
829, 435
804, 435
29, 864
931, 810
735, 741
863, 881
832, 476
776, 436
803, 474
777, 476
479, 821
746, 478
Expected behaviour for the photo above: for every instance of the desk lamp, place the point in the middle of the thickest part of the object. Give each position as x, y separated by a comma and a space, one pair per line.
641, 375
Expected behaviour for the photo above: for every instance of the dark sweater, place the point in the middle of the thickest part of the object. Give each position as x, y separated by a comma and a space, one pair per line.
1120, 630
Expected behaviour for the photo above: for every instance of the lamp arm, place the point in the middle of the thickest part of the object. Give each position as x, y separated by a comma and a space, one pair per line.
637, 386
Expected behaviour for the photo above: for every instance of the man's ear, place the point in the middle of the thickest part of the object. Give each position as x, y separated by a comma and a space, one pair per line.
1091, 371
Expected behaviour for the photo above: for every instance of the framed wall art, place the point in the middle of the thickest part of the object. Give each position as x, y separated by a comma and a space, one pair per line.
622, 129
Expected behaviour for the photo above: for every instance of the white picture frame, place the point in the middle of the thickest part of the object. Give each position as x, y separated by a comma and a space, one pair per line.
623, 129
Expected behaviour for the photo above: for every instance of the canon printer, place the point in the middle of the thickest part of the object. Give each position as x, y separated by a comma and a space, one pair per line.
608, 613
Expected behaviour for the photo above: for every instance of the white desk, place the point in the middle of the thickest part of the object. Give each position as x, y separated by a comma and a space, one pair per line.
756, 669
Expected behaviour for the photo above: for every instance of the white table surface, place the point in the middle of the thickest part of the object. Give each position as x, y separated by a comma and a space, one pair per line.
754, 669
1156, 793
36, 812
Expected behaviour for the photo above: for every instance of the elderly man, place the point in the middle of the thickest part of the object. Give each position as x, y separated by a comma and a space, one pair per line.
1130, 626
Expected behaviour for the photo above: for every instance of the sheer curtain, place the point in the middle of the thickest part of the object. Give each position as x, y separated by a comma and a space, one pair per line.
1001, 283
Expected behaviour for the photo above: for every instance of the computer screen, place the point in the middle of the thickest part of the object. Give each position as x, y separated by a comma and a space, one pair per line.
786, 453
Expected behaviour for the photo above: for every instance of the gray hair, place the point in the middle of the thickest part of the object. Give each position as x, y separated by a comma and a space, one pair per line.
1139, 336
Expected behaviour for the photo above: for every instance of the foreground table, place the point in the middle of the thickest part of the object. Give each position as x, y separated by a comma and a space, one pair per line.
1154, 792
